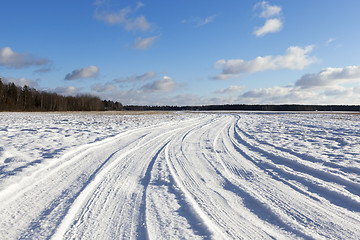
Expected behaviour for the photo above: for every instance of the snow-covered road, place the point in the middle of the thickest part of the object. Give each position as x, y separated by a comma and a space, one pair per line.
180, 176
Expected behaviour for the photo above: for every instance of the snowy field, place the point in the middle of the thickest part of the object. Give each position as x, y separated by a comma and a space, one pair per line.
179, 176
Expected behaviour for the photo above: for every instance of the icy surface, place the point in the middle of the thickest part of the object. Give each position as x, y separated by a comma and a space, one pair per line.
179, 176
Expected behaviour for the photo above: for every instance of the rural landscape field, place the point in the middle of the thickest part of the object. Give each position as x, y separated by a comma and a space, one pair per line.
150, 120
179, 175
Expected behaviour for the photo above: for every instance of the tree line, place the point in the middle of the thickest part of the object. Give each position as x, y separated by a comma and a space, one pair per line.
16, 98
248, 107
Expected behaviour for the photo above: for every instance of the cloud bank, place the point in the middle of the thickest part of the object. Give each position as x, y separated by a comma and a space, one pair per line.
11, 59
328, 86
67, 91
231, 89
330, 77
137, 78
20, 81
158, 92
87, 72
325, 87
166, 84
294, 58
107, 87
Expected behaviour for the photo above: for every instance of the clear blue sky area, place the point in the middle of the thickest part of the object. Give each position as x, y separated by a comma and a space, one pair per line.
185, 52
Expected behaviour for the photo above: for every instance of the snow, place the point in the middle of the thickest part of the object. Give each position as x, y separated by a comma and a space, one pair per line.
179, 176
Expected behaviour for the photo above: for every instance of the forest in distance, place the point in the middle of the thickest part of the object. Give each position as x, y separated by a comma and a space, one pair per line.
17, 98
249, 107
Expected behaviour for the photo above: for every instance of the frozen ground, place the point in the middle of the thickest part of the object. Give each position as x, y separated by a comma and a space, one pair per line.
179, 176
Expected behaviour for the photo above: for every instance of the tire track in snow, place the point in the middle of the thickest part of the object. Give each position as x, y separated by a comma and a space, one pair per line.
185, 209
319, 207
257, 206
36, 201
221, 220
12, 192
56, 178
58, 208
44, 171
210, 228
295, 161
143, 231
139, 158
205, 225
89, 189
273, 162
331, 165
214, 176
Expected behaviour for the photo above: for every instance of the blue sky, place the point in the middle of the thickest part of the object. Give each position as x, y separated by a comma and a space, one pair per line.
185, 52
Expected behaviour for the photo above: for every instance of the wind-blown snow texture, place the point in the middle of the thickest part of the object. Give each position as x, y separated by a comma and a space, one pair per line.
179, 176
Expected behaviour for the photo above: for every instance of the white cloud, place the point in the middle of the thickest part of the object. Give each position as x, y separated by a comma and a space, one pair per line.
143, 43
87, 72
107, 87
330, 77
166, 84
268, 93
11, 59
20, 81
330, 40
325, 87
268, 10
336, 92
207, 20
284, 95
140, 97
198, 22
274, 95
186, 100
271, 25
146, 94
297, 95
67, 91
295, 58
122, 18
272, 14
137, 78
139, 5
231, 89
